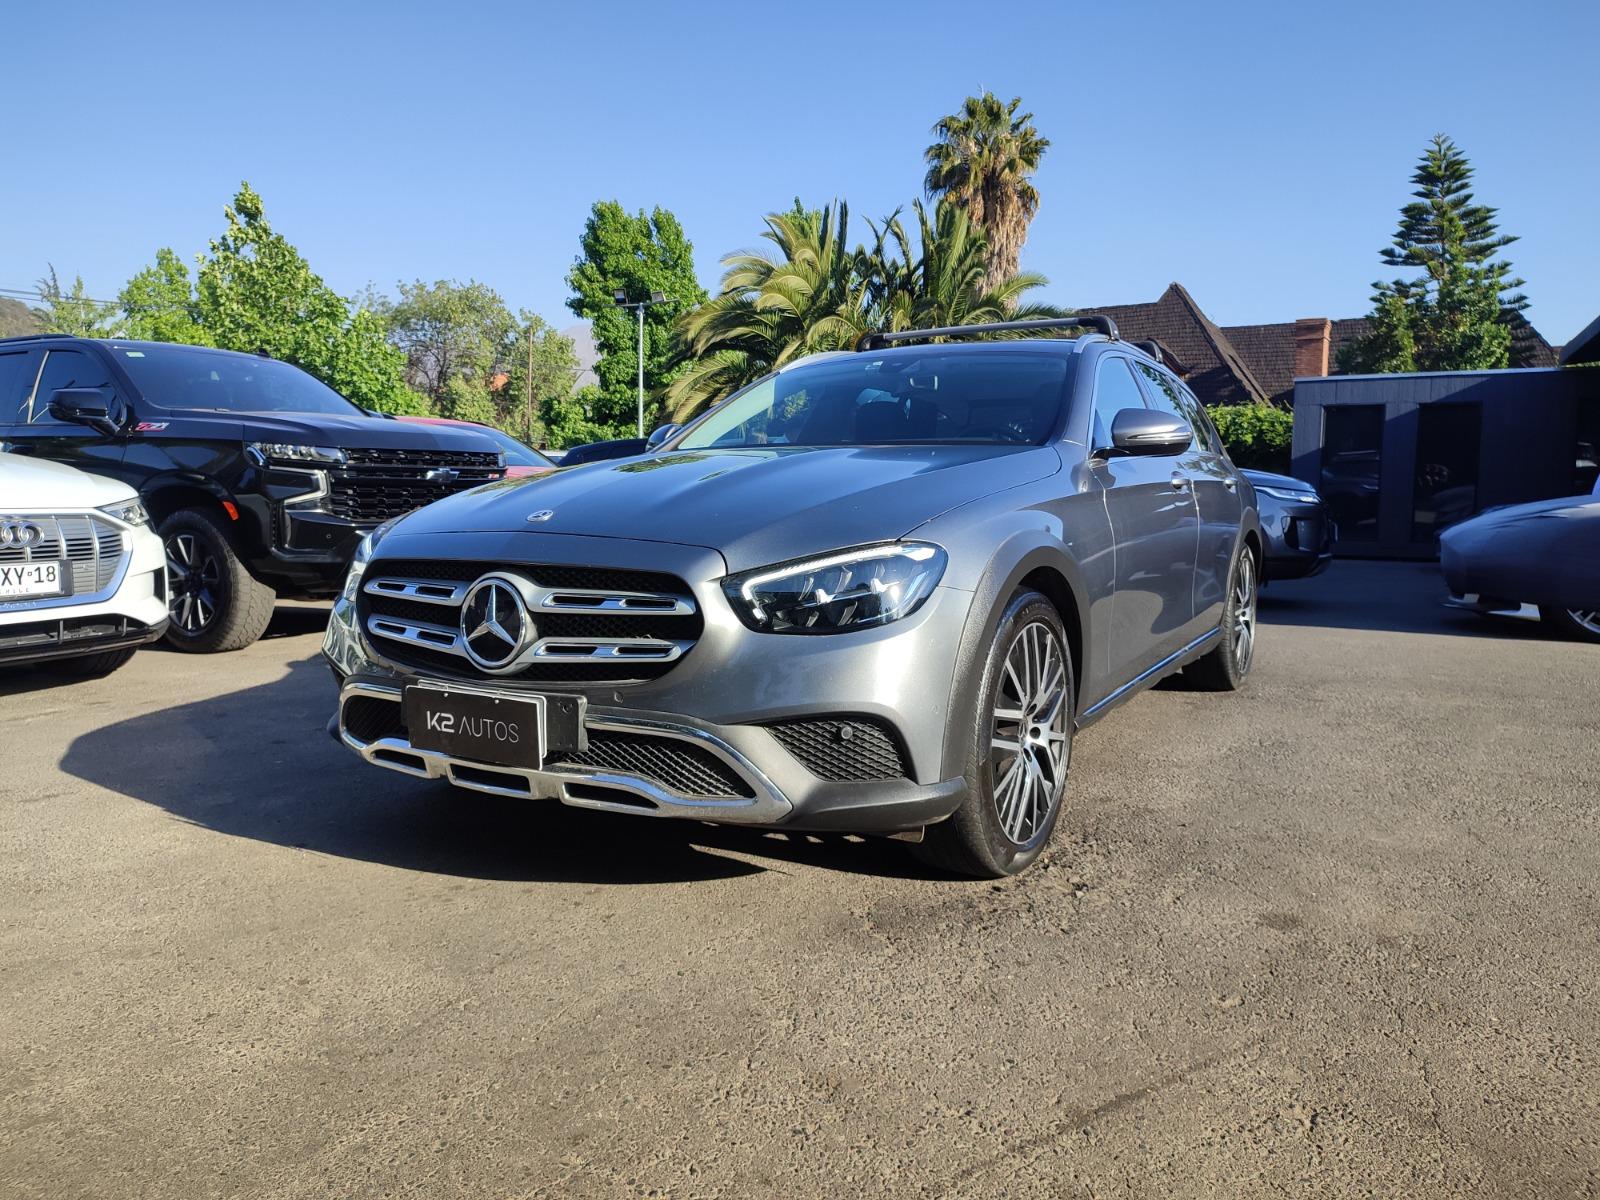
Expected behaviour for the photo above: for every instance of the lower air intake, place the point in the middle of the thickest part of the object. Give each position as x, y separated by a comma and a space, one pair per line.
844, 749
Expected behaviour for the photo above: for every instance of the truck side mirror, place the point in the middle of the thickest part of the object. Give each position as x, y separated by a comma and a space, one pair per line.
98, 408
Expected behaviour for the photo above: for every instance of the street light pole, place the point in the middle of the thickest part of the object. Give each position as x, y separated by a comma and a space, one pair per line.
621, 297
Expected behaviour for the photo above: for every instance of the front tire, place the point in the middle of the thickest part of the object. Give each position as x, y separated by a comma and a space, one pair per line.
1226, 666
215, 603
1020, 749
1576, 623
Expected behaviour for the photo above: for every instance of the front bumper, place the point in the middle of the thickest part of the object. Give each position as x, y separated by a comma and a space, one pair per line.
736, 696
1300, 540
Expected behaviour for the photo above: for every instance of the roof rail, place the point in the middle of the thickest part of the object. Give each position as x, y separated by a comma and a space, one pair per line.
1151, 347
1101, 324
33, 337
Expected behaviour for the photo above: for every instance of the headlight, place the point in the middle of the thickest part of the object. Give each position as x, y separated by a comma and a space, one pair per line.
1292, 497
852, 589
265, 452
129, 512
358, 564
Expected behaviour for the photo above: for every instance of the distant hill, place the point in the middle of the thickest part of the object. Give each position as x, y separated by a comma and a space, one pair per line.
16, 318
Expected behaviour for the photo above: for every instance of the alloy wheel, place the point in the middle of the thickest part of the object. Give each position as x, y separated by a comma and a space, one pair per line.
1587, 620
1244, 612
1028, 733
193, 579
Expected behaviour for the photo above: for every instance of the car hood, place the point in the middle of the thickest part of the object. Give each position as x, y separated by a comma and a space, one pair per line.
316, 429
32, 485
1271, 479
756, 506
1514, 520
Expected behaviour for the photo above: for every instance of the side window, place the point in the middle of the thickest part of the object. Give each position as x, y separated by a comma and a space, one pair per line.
62, 369
13, 382
1114, 390
1166, 395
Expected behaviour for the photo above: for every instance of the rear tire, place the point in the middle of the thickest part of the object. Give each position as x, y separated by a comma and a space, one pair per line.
1226, 666
92, 666
1572, 623
215, 603
1020, 749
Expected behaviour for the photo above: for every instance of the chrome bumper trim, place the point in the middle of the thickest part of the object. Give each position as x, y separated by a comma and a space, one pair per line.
768, 806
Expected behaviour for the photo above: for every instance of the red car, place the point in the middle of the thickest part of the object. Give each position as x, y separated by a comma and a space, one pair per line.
520, 459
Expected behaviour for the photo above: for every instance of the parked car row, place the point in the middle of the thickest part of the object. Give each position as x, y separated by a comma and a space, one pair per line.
878, 591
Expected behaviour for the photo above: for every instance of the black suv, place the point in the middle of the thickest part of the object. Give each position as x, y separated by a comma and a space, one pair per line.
260, 479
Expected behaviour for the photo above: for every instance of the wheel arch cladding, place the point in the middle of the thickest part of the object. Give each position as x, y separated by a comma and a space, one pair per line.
163, 497
1020, 563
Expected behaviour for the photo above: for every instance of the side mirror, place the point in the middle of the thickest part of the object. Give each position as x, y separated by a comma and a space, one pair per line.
662, 434
97, 408
1149, 431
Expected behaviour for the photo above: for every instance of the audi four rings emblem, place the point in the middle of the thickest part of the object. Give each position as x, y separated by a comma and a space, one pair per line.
20, 533
494, 623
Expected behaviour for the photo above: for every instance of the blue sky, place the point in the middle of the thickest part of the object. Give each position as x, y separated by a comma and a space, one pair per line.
1258, 153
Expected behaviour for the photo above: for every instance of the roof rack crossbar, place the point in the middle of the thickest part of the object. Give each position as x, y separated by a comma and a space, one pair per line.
1100, 324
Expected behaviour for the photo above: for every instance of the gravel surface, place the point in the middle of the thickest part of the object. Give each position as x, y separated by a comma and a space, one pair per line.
1335, 935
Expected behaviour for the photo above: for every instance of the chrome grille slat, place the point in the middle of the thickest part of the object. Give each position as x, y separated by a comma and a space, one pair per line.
581, 632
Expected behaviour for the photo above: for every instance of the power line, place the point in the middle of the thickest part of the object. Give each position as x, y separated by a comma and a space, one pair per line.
37, 295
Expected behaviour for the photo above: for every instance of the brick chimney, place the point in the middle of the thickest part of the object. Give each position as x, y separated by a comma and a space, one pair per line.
1312, 336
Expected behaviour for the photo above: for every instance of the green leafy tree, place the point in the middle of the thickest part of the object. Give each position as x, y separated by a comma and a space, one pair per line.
540, 371
569, 420
983, 160
1257, 436
158, 303
71, 311
450, 330
636, 254
1456, 315
255, 292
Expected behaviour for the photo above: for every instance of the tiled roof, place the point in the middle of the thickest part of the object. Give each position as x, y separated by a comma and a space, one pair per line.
1216, 371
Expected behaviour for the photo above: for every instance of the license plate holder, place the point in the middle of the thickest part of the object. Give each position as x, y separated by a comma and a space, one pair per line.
44, 579
507, 731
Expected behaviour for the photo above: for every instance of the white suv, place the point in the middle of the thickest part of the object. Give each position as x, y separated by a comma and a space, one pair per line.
83, 579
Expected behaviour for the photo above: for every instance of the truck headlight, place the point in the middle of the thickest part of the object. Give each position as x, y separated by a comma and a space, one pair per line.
852, 589
129, 512
265, 452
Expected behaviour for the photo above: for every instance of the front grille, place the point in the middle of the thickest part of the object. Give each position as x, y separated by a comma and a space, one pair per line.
844, 749
375, 485
678, 766
93, 548
602, 625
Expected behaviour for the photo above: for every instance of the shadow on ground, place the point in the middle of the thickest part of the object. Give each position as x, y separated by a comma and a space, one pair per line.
258, 763
1399, 597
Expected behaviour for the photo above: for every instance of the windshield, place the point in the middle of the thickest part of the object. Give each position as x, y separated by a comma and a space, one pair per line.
187, 377
935, 394
517, 455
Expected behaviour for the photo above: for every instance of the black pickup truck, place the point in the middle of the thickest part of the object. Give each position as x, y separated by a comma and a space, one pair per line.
260, 479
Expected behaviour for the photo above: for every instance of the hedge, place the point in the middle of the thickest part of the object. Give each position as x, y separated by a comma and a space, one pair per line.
1256, 436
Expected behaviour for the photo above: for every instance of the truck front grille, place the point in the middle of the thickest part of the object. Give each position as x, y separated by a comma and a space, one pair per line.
94, 549
375, 485
589, 624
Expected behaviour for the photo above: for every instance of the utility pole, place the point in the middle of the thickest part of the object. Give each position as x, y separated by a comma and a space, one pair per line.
621, 297
527, 430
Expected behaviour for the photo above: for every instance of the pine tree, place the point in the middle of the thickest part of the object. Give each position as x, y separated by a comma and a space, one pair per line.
1457, 314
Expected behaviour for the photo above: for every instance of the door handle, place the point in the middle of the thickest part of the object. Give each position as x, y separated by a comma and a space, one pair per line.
1180, 483
1231, 484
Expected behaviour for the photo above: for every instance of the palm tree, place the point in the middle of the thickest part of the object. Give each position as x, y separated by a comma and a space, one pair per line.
773, 308
945, 282
815, 295
983, 161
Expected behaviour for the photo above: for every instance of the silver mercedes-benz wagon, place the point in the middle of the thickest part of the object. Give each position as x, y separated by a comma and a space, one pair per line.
877, 591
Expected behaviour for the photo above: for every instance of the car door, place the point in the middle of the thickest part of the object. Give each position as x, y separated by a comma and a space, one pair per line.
1155, 528
40, 434
1216, 494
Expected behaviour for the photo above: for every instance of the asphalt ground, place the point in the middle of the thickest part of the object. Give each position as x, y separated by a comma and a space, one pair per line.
1332, 936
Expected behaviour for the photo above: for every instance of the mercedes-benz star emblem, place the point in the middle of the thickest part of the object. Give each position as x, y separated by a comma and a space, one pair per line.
494, 623
544, 514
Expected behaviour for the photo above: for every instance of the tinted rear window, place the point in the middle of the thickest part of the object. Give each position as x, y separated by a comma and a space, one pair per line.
934, 394
185, 377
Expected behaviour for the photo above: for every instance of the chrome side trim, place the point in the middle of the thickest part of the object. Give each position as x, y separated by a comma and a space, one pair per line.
768, 806
1146, 676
